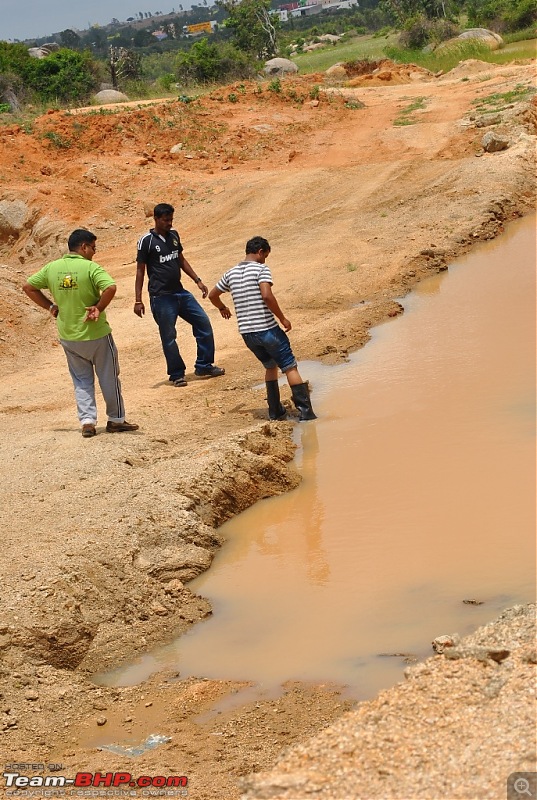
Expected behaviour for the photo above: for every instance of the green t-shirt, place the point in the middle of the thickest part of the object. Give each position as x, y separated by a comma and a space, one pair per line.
75, 283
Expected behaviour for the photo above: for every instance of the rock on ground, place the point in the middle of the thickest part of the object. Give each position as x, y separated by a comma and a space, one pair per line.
110, 96
280, 66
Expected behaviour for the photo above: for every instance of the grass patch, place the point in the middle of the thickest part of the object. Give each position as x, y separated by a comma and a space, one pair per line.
446, 59
521, 36
355, 49
361, 48
405, 115
57, 140
499, 101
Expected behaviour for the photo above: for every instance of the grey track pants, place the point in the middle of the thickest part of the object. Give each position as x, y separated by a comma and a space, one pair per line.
84, 359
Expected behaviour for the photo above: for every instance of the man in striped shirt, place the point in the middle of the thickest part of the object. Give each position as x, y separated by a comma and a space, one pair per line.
258, 312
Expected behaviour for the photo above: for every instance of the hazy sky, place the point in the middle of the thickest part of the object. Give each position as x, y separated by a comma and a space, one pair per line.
29, 19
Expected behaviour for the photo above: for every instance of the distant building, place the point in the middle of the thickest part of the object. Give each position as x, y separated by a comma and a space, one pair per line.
306, 11
302, 9
333, 5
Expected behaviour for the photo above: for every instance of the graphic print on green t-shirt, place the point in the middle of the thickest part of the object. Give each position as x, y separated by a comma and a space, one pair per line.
75, 284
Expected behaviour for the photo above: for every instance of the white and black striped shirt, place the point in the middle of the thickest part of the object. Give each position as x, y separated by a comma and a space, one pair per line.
243, 282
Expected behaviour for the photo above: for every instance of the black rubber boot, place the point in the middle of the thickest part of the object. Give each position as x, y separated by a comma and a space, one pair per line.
301, 399
275, 409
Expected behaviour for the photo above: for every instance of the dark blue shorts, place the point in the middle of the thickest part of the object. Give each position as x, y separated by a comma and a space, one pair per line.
272, 348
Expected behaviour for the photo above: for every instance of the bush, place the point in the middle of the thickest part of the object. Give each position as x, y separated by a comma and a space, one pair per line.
137, 88
415, 34
420, 31
208, 63
64, 75
521, 15
13, 58
167, 81
503, 15
158, 66
526, 34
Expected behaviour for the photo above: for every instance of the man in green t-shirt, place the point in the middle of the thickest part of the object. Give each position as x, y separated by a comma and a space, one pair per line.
81, 291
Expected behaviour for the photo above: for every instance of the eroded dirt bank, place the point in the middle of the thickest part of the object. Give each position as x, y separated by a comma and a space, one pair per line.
100, 536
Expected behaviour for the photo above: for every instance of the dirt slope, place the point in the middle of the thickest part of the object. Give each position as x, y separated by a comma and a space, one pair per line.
100, 535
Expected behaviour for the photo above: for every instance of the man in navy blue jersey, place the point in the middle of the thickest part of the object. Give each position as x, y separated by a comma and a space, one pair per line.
160, 252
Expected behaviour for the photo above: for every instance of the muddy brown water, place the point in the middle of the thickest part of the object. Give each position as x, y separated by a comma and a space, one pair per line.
418, 494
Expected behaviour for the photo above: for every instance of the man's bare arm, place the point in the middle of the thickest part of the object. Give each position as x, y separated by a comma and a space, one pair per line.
214, 297
37, 296
187, 269
139, 308
94, 311
272, 304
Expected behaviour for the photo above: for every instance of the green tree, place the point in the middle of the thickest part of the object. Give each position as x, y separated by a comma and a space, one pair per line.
64, 75
254, 27
13, 58
143, 38
70, 39
403, 10
209, 63
502, 15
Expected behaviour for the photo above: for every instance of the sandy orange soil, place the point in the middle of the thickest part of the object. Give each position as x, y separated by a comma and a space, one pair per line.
100, 537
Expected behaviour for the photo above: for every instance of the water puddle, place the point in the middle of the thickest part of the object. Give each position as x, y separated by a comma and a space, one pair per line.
418, 494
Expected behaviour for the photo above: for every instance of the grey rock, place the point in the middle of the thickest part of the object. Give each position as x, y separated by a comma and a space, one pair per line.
44, 50
14, 217
336, 72
182, 563
492, 40
479, 653
442, 643
486, 121
279, 66
494, 142
484, 36
110, 96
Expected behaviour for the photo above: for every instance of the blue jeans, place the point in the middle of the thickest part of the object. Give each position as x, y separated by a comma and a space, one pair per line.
271, 347
166, 308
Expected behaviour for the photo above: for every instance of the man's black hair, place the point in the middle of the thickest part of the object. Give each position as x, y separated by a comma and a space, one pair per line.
79, 237
162, 210
256, 244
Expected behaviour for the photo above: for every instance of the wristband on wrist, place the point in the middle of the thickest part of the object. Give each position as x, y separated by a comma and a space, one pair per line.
197, 280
